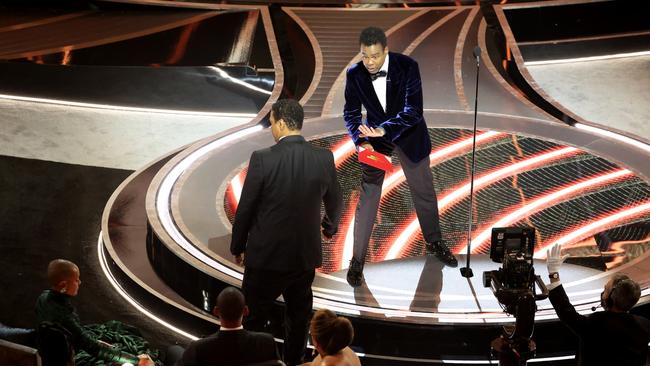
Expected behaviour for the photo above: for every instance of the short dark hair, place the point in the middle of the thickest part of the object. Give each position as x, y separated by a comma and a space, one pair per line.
231, 303
372, 35
625, 292
60, 270
290, 111
332, 332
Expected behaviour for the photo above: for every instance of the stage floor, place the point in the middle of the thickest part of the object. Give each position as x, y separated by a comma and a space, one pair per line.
529, 173
424, 291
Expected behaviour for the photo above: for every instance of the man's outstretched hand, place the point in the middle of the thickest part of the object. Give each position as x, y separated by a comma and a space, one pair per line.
554, 258
239, 259
371, 131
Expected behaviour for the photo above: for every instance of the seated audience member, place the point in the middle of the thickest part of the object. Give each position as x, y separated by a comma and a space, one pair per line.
331, 336
610, 337
232, 344
56, 315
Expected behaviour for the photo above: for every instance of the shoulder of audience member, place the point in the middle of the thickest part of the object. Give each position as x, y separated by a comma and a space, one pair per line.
606, 315
337, 360
54, 297
261, 335
50, 300
203, 341
645, 322
264, 151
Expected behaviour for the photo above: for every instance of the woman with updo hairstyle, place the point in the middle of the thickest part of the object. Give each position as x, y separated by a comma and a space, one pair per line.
331, 336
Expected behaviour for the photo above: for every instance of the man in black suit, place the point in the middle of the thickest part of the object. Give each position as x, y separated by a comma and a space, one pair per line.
278, 225
232, 344
388, 85
610, 337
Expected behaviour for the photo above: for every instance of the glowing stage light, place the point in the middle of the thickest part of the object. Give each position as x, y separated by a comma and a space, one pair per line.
459, 193
595, 226
347, 247
124, 108
545, 201
621, 138
589, 58
439, 155
236, 186
250, 86
343, 151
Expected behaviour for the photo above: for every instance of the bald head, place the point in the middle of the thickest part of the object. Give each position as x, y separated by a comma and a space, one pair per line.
231, 304
60, 270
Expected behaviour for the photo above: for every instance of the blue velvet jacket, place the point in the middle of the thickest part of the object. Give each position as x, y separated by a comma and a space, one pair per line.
403, 120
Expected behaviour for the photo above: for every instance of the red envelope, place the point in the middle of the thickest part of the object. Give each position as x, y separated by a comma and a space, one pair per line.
375, 159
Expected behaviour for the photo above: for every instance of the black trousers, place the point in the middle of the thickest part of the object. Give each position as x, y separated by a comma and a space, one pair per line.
420, 181
262, 287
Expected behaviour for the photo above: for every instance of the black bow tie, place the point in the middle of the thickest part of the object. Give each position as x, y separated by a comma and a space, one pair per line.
381, 74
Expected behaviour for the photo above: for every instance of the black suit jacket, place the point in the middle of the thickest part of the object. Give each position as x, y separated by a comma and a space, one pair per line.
233, 347
606, 338
278, 219
403, 120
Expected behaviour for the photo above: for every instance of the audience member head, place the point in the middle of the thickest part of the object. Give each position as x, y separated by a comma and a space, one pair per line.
620, 293
330, 333
63, 277
231, 307
373, 48
286, 118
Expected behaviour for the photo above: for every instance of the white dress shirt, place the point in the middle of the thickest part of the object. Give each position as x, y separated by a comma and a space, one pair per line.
380, 85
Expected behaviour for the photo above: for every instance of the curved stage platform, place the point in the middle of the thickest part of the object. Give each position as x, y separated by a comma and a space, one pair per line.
543, 180
166, 230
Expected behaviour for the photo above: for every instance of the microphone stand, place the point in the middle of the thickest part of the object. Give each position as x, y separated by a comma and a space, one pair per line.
467, 270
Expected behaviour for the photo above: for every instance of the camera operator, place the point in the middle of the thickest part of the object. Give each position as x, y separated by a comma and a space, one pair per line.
611, 337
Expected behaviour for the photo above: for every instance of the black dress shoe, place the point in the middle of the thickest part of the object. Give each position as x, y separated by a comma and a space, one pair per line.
441, 252
355, 273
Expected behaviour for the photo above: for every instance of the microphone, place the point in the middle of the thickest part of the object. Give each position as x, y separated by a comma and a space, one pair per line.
593, 308
477, 54
467, 270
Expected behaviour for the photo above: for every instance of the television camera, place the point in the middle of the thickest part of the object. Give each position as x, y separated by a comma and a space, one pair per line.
514, 287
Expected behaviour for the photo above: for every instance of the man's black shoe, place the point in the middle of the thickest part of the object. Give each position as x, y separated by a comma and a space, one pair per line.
441, 252
355, 273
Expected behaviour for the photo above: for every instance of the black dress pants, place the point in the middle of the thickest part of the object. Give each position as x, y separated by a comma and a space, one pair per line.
262, 287
420, 180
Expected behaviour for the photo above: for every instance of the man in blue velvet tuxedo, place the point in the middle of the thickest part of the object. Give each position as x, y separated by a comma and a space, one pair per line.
388, 85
